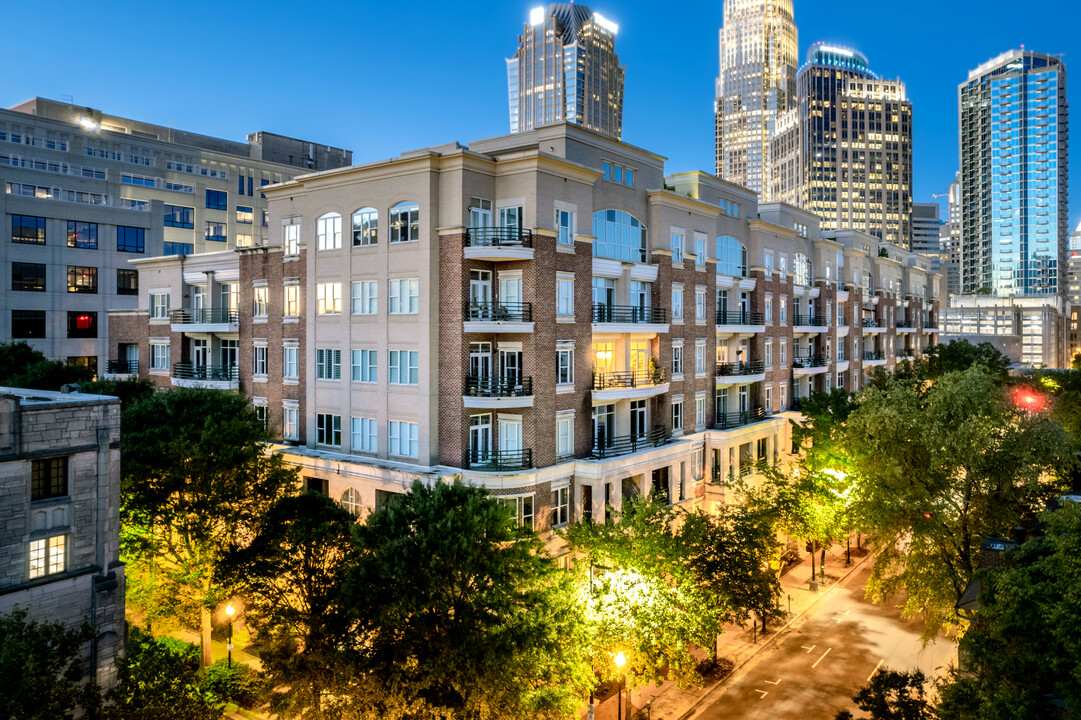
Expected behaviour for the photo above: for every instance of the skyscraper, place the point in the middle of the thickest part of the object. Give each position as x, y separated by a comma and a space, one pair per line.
1013, 176
566, 70
756, 84
844, 152
950, 256
927, 231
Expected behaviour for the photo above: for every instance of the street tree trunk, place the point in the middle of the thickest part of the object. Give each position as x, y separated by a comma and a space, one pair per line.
204, 622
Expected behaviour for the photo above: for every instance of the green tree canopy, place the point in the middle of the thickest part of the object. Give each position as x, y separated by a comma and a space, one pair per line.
129, 391
892, 695
961, 355
24, 367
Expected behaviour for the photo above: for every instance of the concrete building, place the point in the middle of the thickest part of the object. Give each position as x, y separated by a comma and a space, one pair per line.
60, 541
927, 231
1031, 331
845, 152
1073, 294
513, 312
85, 192
566, 70
759, 53
950, 255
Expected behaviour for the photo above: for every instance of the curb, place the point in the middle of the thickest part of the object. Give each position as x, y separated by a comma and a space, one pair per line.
720, 684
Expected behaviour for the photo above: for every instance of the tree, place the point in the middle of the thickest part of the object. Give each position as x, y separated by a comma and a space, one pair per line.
43, 671
24, 367
290, 575
892, 695
940, 467
1022, 656
129, 391
961, 355
158, 678
461, 613
195, 478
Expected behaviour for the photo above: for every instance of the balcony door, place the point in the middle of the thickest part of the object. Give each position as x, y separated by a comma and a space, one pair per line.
744, 398
130, 354
510, 367
510, 218
722, 401
480, 360
198, 300
639, 356
480, 294
229, 294
604, 291
722, 302
744, 307
604, 357
480, 213
199, 353
228, 354
510, 435
510, 292
638, 418
480, 438
604, 425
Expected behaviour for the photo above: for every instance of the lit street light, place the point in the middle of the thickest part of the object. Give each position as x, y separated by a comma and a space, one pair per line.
230, 611
620, 660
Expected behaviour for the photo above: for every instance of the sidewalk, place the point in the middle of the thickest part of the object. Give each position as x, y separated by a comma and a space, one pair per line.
737, 644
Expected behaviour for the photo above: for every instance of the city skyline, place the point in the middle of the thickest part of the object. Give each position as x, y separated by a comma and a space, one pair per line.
327, 88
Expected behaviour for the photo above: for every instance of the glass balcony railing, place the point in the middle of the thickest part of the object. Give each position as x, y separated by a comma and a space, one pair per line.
751, 367
190, 371
606, 446
484, 386
498, 237
500, 459
628, 314
740, 317
629, 379
499, 311
204, 316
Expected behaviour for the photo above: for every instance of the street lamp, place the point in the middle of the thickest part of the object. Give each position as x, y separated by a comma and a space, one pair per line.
230, 611
620, 660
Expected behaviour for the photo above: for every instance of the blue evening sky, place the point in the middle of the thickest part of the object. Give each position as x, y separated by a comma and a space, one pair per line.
381, 78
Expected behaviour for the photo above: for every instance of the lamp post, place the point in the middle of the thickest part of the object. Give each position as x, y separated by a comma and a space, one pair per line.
620, 660
230, 611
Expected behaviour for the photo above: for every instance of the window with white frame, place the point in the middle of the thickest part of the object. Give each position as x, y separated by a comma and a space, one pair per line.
159, 356
677, 415
351, 502
564, 227
784, 352
328, 364
261, 411
328, 298
700, 304
767, 257
828, 378
768, 394
700, 249
403, 367
365, 298
48, 556
564, 296
328, 429
784, 396
565, 433
769, 353
365, 227
840, 380
521, 508
700, 410
402, 439
292, 301
561, 505
699, 358
403, 297
829, 312
840, 314
290, 363
769, 309
677, 360
291, 239
565, 365
677, 246
290, 422
259, 360
328, 232
783, 316
677, 302
364, 434
404, 222
159, 306
363, 366
260, 302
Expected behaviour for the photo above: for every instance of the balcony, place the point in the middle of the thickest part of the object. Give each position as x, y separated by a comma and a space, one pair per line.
736, 322
627, 444
874, 357
905, 326
809, 323
509, 317
629, 385
115, 368
730, 373
739, 418
629, 318
498, 244
497, 392
809, 364
222, 377
499, 460
205, 320
870, 325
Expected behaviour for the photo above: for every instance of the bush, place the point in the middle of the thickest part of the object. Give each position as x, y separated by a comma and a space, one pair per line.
238, 683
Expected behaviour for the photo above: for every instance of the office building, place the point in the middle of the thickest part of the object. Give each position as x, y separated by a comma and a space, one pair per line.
756, 84
845, 151
85, 192
566, 70
950, 255
1031, 331
60, 549
927, 232
1073, 295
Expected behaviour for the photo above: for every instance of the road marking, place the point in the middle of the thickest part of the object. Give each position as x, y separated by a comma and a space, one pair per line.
764, 693
821, 658
771, 682
808, 649
875, 670
839, 619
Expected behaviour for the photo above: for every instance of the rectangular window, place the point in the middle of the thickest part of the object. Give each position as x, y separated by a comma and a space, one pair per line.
263, 413
564, 227
784, 396
82, 279
328, 232
784, 311
404, 223
565, 367
365, 227
48, 556
700, 305
364, 366
769, 309
677, 416
402, 439
28, 277
291, 239
82, 235
217, 200
259, 360
244, 215
127, 282
328, 298
27, 324
521, 509
565, 435
178, 216
699, 359
260, 302
677, 247
177, 248
28, 229
403, 367
215, 231
784, 352
328, 364
364, 435
159, 306
328, 429
290, 364
82, 324
365, 298
769, 398
159, 356
565, 297
677, 304
48, 478
292, 301
769, 353
677, 360
130, 239
699, 410
290, 423
700, 249
560, 506
403, 297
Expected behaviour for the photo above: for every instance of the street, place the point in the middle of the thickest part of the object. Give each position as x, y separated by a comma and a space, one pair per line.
813, 669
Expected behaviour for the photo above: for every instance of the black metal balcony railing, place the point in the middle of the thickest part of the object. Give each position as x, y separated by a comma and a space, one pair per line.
190, 371
739, 418
500, 459
740, 317
809, 361
902, 354
484, 386
751, 367
498, 237
122, 367
628, 379
931, 325
188, 316
869, 323
628, 314
812, 320
874, 355
499, 311
605, 447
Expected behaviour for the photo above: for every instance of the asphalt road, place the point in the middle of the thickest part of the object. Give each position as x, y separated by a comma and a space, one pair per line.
816, 665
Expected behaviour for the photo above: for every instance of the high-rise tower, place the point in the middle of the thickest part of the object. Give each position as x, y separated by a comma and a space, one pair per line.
759, 58
1013, 176
566, 70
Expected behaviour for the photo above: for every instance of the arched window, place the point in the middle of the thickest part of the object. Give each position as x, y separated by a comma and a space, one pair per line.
801, 270
868, 282
619, 236
328, 232
404, 222
731, 257
365, 227
351, 502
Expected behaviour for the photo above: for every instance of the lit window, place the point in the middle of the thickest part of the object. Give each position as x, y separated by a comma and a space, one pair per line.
404, 222
328, 232
365, 227
328, 298
365, 434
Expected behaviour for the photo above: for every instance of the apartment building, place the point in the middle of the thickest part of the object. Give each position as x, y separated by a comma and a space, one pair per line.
85, 192
553, 317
